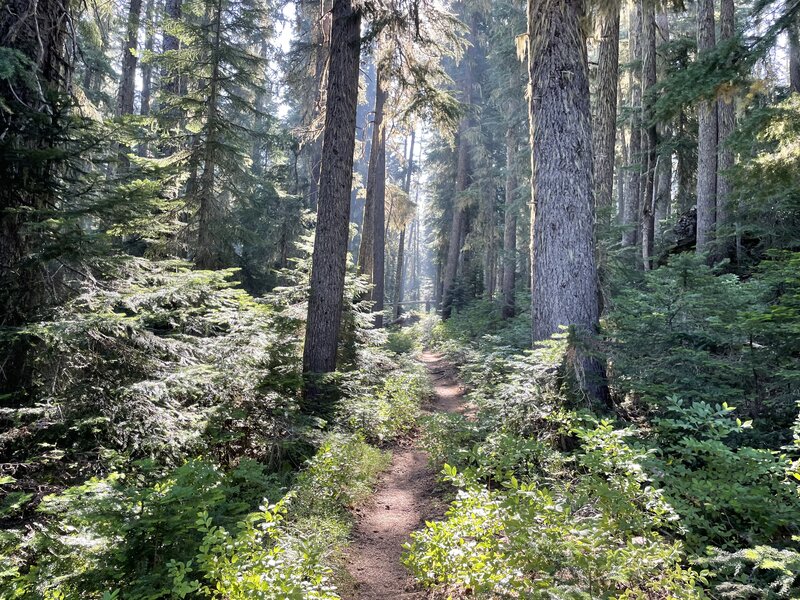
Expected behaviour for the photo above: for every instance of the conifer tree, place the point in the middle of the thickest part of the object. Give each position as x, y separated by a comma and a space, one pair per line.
633, 185
333, 208
726, 123
604, 127
564, 290
706, 137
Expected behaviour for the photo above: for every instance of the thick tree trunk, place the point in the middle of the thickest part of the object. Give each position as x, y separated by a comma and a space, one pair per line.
127, 82
329, 260
509, 230
621, 178
459, 222
726, 125
664, 175
649, 136
398, 278
794, 58
489, 254
379, 214
706, 138
685, 169
209, 255
376, 155
147, 67
564, 290
457, 225
605, 125
663, 190
630, 221
170, 81
321, 34
37, 30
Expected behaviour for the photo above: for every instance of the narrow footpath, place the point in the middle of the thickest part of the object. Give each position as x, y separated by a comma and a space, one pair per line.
405, 498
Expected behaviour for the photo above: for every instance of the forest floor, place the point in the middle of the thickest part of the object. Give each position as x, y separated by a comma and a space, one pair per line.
405, 498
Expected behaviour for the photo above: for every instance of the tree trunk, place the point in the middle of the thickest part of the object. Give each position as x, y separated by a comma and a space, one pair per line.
321, 33
489, 241
379, 213
172, 11
664, 175
509, 230
630, 221
457, 224
706, 138
605, 125
564, 290
794, 58
649, 132
663, 190
147, 67
398, 279
684, 168
208, 255
37, 30
621, 183
377, 150
127, 82
329, 259
726, 125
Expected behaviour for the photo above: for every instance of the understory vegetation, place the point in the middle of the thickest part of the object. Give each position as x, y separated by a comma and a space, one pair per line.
687, 488
164, 452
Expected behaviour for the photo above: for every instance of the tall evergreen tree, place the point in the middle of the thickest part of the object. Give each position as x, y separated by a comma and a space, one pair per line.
604, 127
706, 137
633, 187
564, 290
329, 260
130, 56
726, 123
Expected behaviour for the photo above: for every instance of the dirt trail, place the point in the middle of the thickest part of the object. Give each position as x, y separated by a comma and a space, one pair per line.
405, 498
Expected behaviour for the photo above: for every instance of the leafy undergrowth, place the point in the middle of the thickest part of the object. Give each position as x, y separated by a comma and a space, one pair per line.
160, 452
673, 495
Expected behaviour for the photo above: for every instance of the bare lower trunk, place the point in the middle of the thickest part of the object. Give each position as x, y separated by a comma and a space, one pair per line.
725, 125
664, 189
564, 290
456, 226
147, 67
375, 182
605, 125
630, 221
333, 211
663, 200
208, 255
621, 182
794, 58
706, 139
509, 230
398, 279
379, 210
170, 80
649, 136
489, 254
127, 82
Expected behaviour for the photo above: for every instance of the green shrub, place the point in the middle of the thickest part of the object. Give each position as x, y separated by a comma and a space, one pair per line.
387, 411
401, 342
726, 496
533, 542
762, 572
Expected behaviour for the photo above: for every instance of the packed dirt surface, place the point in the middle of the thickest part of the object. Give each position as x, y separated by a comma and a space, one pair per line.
405, 498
